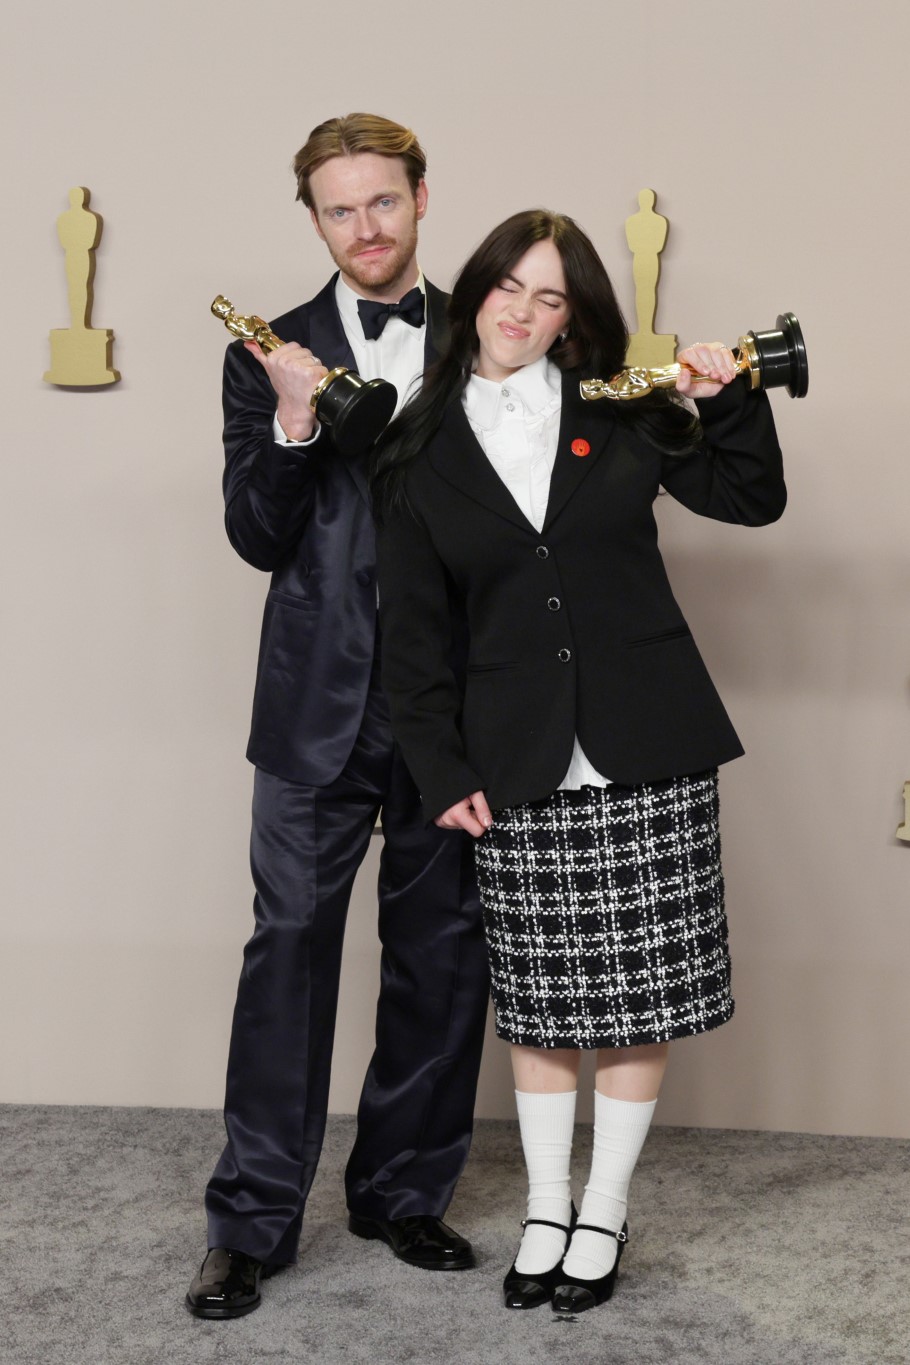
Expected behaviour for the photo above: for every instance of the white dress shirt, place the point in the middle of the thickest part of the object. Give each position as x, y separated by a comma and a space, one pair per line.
397, 355
517, 425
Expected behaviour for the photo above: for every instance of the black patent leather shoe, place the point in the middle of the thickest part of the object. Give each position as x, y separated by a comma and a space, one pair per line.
227, 1285
577, 1296
419, 1240
530, 1291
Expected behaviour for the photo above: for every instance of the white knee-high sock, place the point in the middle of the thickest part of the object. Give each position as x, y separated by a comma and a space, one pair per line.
620, 1129
546, 1123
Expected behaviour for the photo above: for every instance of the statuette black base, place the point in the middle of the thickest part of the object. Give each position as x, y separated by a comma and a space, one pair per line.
355, 410
782, 361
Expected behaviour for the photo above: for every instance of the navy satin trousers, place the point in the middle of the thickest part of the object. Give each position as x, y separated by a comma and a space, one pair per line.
415, 1116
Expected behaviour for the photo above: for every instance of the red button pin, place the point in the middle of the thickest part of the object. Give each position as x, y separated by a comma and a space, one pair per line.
580, 447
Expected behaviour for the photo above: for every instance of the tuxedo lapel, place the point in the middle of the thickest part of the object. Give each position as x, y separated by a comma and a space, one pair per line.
327, 335
587, 428
437, 334
329, 341
356, 465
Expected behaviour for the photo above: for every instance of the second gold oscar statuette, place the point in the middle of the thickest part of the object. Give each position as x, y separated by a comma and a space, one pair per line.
772, 359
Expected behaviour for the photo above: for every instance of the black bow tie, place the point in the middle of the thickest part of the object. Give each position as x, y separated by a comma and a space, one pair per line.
374, 316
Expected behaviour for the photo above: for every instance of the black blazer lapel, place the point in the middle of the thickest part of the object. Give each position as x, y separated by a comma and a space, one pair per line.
458, 457
590, 429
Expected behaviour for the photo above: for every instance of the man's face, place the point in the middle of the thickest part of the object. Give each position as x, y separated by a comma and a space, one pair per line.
367, 215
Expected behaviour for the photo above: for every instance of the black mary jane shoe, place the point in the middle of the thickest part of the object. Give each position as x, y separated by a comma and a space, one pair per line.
576, 1296
530, 1291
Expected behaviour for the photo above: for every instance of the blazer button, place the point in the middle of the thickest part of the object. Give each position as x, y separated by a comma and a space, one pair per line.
543, 552
363, 577
553, 603
564, 656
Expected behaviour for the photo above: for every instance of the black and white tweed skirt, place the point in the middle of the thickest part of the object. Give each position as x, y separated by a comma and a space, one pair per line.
604, 915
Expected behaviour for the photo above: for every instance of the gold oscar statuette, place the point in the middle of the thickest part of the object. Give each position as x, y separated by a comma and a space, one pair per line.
772, 359
81, 355
355, 410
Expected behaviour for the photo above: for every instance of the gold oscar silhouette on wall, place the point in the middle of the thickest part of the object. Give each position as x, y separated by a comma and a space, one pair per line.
646, 233
81, 355
903, 831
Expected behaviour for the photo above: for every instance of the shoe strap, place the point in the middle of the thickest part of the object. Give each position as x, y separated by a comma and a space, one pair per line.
607, 1232
544, 1222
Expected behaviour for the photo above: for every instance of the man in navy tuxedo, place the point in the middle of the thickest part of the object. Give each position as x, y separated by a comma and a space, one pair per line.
326, 767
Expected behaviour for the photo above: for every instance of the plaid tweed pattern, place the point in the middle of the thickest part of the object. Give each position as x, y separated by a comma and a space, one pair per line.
604, 915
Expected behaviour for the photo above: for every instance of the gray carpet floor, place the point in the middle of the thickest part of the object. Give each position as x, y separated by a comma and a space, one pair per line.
746, 1249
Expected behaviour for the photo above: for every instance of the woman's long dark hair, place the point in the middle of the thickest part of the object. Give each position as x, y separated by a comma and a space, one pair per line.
595, 345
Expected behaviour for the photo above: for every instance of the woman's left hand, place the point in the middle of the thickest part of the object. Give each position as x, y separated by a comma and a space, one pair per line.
710, 358
472, 815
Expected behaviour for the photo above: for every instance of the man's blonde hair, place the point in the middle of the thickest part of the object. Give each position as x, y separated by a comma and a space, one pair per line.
355, 133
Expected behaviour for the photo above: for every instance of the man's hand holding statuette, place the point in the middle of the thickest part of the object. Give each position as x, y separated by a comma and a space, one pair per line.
293, 373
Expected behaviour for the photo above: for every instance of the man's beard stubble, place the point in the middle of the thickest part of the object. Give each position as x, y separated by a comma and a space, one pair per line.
384, 273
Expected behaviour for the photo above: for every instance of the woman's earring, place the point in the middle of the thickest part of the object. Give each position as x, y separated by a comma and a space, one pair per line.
563, 335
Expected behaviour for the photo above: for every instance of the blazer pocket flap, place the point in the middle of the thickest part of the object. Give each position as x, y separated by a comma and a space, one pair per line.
289, 599
661, 637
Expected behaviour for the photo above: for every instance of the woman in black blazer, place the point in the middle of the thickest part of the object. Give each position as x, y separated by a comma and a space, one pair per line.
580, 745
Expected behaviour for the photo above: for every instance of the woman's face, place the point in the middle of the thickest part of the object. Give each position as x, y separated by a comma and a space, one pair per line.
522, 316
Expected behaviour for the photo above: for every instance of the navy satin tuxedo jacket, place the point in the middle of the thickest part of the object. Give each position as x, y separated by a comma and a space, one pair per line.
304, 514
326, 766
574, 628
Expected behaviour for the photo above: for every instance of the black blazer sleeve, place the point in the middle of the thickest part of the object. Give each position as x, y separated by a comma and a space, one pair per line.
737, 474
268, 488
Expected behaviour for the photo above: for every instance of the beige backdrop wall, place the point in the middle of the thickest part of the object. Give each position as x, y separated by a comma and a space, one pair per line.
774, 138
